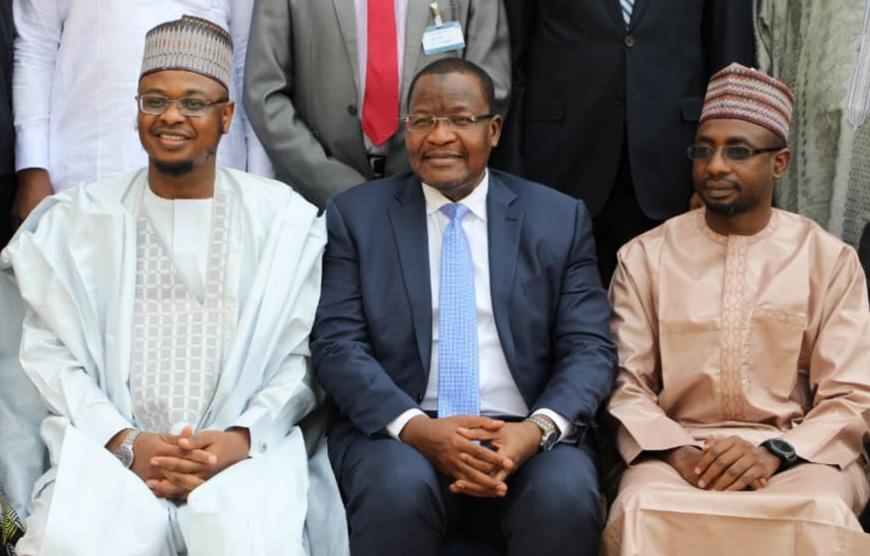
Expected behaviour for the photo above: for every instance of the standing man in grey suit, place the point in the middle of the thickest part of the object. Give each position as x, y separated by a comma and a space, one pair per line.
324, 80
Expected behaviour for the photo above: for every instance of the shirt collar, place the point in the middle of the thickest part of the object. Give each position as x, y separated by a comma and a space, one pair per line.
476, 200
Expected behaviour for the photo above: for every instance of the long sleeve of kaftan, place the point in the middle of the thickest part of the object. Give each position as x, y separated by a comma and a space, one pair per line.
289, 393
644, 425
64, 386
834, 430
39, 24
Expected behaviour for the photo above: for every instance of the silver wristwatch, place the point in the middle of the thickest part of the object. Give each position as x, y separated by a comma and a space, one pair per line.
549, 432
125, 450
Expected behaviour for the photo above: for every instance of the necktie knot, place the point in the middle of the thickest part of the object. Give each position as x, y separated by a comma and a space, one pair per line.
455, 211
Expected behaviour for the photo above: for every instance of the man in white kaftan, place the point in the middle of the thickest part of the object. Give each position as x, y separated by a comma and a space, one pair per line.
75, 73
178, 297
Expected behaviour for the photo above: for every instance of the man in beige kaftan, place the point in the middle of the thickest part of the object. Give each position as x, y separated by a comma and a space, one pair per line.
743, 394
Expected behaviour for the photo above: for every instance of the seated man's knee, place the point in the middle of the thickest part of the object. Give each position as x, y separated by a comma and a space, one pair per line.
563, 492
393, 483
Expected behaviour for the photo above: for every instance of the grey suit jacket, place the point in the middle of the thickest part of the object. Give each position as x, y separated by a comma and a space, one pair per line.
302, 90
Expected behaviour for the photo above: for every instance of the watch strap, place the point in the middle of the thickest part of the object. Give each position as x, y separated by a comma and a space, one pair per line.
125, 450
550, 433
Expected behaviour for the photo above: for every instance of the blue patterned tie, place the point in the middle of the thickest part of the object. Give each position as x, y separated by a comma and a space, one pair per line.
458, 382
627, 7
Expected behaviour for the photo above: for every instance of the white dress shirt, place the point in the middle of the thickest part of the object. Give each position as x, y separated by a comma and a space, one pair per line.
184, 227
76, 73
499, 395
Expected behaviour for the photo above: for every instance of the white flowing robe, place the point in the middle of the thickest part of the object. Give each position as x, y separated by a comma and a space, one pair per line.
75, 263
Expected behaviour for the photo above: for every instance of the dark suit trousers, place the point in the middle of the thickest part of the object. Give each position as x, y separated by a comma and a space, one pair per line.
7, 195
620, 220
398, 504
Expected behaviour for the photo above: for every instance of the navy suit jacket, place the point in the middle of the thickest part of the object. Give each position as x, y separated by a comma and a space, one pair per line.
372, 337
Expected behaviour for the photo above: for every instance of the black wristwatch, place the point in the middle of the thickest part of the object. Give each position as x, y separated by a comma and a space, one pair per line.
783, 450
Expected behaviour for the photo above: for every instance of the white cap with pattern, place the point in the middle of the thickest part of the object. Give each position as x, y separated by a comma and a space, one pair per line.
191, 44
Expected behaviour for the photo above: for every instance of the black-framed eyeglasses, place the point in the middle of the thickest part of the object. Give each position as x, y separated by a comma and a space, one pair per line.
737, 153
192, 107
426, 122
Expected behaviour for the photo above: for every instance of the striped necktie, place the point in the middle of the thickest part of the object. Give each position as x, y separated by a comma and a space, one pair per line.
627, 7
458, 372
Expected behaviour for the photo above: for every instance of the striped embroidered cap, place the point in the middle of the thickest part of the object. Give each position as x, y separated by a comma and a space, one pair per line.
742, 93
191, 44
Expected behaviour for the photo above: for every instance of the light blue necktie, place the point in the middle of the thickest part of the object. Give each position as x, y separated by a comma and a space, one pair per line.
458, 382
627, 7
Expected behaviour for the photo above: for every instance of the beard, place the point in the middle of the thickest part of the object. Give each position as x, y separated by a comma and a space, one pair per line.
173, 169
742, 203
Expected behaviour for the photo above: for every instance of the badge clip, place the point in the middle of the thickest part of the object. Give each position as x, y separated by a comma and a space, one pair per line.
436, 14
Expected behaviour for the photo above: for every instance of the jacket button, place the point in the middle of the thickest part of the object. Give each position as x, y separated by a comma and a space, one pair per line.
619, 101
419, 398
351, 110
629, 41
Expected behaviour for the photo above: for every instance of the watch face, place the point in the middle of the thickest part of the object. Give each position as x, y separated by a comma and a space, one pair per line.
782, 449
549, 441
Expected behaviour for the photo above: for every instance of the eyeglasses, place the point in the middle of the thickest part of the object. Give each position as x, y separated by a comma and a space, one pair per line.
426, 122
193, 107
732, 152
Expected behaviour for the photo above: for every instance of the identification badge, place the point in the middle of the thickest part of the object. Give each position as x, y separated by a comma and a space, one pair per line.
442, 37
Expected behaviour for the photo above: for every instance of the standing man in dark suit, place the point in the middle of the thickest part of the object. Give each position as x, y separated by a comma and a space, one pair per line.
462, 334
7, 129
606, 98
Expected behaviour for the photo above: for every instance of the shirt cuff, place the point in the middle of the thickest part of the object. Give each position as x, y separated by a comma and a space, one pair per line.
102, 422
255, 420
31, 149
566, 427
394, 427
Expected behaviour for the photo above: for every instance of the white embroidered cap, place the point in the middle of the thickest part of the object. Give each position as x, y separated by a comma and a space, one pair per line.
192, 44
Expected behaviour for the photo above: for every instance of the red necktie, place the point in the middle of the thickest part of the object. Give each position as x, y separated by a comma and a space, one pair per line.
381, 101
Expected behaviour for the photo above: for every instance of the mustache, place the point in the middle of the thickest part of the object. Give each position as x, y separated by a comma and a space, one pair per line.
717, 183
171, 131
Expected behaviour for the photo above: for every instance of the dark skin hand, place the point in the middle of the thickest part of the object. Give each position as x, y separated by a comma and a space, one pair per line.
515, 441
455, 456
34, 185
685, 460
173, 466
732, 463
181, 474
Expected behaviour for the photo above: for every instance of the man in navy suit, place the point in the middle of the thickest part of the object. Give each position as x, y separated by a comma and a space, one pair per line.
462, 334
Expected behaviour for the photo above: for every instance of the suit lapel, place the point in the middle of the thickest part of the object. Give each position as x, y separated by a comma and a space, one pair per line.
415, 26
345, 12
637, 13
504, 223
615, 11
408, 220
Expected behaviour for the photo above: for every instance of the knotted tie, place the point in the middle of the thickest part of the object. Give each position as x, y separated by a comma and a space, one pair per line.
458, 382
627, 7
381, 101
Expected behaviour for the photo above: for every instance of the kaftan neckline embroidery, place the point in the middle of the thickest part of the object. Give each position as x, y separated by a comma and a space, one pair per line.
735, 330
701, 221
178, 340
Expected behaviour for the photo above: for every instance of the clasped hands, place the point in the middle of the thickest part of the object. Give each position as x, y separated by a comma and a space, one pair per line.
477, 453
173, 466
729, 463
